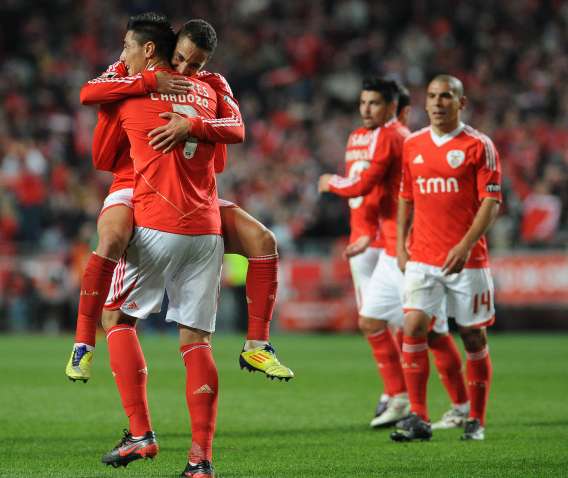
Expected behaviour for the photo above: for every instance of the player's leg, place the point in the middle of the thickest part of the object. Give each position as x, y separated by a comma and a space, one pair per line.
471, 297
114, 229
447, 359
246, 236
423, 298
362, 267
137, 291
382, 307
194, 308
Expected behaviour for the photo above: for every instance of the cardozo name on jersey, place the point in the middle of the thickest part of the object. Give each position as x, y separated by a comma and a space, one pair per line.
181, 98
437, 185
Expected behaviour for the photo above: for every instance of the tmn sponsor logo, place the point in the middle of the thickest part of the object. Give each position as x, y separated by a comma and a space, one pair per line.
437, 185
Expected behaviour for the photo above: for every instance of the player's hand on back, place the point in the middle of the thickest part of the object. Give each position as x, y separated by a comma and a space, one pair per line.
323, 184
165, 138
456, 259
171, 84
357, 247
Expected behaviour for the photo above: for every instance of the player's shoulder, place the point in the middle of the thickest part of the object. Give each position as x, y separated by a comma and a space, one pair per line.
477, 136
215, 80
417, 136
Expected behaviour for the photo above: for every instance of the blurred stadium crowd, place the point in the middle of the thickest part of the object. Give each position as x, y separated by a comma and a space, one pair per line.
296, 68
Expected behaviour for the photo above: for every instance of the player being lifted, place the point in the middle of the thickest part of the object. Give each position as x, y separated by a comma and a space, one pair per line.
176, 247
242, 233
381, 308
450, 193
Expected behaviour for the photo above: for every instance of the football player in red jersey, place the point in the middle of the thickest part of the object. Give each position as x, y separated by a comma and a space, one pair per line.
176, 247
382, 300
242, 233
450, 193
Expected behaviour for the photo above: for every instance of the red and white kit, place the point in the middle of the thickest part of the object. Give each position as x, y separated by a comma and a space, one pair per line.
383, 297
114, 85
175, 196
359, 153
447, 177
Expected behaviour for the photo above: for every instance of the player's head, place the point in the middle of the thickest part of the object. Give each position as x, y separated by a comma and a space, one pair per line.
403, 104
377, 103
149, 39
196, 43
444, 102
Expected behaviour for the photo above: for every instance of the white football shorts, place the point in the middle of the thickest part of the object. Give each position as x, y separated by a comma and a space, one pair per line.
383, 299
362, 267
121, 197
188, 268
469, 294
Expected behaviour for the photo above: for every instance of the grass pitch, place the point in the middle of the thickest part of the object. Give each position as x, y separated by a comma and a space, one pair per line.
316, 425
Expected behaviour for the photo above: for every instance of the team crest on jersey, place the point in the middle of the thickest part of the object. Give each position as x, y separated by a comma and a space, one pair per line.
455, 158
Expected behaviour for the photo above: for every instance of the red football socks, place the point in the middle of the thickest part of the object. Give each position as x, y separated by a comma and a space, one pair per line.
478, 372
449, 365
387, 356
201, 391
95, 285
131, 375
261, 286
416, 367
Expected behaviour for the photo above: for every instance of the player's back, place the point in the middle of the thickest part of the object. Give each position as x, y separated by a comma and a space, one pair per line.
174, 192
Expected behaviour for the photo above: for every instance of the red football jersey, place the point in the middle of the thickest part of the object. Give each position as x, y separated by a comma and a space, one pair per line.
174, 192
115, 84
379, 180
447, 177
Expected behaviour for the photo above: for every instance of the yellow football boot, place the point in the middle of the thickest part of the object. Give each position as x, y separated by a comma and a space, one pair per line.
263, 359
79, 365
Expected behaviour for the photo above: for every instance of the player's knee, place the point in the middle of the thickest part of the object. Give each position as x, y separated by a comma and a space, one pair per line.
112, 243
416, 324
265, 242
473, 339
371, 326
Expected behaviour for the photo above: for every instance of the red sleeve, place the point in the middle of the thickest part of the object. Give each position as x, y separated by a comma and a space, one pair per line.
371, 177
114, 85
488, 171
220, 158
107, 137
406, 181
228, 127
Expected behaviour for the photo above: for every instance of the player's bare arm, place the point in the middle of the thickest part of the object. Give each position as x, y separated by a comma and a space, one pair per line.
403, 223
458, 255
357, 247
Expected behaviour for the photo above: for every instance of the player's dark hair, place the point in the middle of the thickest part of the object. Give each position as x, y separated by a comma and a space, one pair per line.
201, 33
387, 88
156, 28
403, 97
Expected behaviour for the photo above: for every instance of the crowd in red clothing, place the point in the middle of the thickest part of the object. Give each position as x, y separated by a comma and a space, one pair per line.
296, 68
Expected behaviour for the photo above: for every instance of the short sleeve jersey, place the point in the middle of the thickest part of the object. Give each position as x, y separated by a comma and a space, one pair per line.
363, 209
447, 177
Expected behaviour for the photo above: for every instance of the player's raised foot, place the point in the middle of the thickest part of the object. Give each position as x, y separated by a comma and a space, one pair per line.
203, 469
473, 430
453, 418
398, 408
412, 428
130, 449
79, 365
382, 405
263, 359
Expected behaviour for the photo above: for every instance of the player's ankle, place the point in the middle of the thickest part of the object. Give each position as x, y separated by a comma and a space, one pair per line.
253, 344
